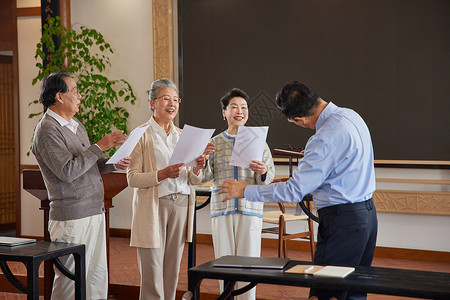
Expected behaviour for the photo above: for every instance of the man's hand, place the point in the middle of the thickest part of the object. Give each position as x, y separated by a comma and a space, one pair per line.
112, 140
234, 189
123, 163
172, 171
258, 167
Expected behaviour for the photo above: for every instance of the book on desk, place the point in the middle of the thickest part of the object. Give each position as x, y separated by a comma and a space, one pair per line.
322, 271
14, 241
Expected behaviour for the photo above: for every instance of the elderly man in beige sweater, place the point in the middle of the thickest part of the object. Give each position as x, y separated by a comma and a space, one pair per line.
71, 169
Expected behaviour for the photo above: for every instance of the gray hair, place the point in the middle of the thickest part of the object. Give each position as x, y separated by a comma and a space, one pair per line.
157, 85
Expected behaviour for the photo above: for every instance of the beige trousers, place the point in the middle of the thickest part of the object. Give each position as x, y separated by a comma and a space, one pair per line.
90, 231
159, 267
237, 234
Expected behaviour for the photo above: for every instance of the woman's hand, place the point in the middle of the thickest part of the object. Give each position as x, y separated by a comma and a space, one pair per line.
258, 167
201, 163
210, 148
201, 160
172, 171
124, 163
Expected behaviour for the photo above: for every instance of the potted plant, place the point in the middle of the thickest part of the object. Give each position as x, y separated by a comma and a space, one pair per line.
87, 54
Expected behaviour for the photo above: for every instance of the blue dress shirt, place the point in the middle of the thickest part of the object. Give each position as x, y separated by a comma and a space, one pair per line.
337, 167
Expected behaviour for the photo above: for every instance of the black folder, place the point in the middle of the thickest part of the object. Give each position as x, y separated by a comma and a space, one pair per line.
231, 261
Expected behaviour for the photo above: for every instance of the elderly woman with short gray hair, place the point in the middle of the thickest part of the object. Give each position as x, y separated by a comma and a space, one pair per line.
163, 200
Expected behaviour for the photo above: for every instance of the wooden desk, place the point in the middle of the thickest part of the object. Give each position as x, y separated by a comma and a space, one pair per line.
398, 282
32, 255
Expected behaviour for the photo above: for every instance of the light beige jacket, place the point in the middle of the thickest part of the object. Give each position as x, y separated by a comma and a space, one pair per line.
141, 176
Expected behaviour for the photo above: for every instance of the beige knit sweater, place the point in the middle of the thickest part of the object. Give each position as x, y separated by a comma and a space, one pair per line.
141, 175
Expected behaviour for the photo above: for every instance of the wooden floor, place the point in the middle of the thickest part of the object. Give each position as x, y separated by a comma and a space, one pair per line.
124, 271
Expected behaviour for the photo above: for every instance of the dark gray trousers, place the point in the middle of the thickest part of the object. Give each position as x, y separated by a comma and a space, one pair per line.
346, 237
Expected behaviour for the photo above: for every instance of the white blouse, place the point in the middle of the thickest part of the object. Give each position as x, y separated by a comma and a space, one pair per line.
164, 145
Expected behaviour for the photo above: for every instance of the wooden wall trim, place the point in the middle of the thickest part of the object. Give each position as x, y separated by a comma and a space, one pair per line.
424, 181
163, 44
413, 162
412, 202
404, 164
29, 11
388, 162
405, 202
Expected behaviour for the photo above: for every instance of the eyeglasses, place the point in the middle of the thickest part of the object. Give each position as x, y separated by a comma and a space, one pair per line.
74, 91
167, 98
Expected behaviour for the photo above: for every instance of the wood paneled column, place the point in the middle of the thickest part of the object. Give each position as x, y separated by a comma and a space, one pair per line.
163, 44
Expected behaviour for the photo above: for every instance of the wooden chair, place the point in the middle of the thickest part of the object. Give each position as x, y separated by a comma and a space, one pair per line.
280, 218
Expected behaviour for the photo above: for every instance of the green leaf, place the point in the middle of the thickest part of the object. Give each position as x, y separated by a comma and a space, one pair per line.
100, 110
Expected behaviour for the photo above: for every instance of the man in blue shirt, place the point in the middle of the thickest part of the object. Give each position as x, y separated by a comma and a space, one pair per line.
338, 169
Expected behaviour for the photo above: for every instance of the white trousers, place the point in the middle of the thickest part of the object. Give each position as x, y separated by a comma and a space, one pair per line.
237, 234
91, 232
159, 267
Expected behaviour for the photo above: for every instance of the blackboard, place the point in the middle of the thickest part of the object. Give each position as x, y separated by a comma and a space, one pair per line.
389, 60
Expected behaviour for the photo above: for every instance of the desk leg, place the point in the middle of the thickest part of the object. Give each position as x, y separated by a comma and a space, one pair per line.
80, 275
228, 288
194, 286
192, 246
33, 280
49, 273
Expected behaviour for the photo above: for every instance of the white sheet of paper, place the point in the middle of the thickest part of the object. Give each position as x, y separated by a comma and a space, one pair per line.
191, 144
127, 147
249, 145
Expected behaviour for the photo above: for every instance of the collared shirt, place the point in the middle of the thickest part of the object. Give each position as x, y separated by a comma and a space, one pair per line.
72, 125
164, 145
219, 169
337, 168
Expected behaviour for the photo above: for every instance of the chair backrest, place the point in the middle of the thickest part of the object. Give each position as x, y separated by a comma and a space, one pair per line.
281, 206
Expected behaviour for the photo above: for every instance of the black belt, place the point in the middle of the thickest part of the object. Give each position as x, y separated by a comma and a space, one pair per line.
341, 208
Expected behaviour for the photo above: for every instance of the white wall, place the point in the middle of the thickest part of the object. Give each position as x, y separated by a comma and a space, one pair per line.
127, 25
